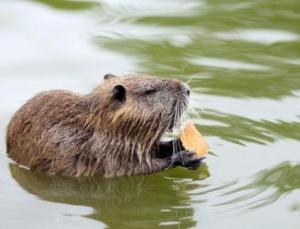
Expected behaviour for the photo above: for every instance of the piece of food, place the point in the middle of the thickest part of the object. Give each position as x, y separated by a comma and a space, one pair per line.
192, 140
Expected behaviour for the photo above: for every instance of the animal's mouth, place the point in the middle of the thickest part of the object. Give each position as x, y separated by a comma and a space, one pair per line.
170, 135
179, 112
178, 119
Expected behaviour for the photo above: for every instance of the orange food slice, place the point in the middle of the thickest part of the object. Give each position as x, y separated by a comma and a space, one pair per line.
193, 141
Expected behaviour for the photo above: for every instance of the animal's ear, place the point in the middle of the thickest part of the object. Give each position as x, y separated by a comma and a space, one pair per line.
119, 92
108, 76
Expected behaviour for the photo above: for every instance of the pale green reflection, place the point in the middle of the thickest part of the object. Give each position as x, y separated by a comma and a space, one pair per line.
68, 4
250, 50
133, 201
277, 182
240, 130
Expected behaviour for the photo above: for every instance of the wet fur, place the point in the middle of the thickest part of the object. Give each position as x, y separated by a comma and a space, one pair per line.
101, 133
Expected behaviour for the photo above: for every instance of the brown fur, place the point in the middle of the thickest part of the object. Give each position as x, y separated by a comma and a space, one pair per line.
113, 131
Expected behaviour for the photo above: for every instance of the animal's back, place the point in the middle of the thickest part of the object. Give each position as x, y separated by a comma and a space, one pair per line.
115, 130
25, 141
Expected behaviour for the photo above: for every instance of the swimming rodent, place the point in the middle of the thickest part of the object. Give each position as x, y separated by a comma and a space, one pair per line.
115, 130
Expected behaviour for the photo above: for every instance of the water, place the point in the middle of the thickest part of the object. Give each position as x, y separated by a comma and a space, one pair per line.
242, 60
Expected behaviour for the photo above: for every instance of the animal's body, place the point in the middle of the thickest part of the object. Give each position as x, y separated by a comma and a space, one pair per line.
115, 130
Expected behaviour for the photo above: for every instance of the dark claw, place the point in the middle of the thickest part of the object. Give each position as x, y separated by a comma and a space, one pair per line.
194, 164
186, 159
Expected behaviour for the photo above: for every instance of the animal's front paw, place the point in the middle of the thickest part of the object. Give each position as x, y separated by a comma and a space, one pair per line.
186, 159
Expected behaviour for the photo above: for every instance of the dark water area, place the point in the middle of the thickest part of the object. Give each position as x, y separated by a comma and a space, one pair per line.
242, 62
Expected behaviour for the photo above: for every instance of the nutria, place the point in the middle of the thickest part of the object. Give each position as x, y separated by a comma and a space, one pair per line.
115, 130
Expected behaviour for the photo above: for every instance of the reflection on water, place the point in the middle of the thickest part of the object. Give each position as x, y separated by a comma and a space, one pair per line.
185, 45
242, 62
240, 130
260, 36
295, 207
278, 181
68, 4
155, 199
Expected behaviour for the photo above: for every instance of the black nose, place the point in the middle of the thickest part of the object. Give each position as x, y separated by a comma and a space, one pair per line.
186, 90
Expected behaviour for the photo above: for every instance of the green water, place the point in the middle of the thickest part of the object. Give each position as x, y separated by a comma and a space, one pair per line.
242, 61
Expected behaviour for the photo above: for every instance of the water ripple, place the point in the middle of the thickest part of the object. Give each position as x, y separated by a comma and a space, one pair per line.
267, 187
230, 64
261, 36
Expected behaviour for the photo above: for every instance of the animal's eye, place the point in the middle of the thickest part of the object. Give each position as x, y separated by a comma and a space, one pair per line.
150, 92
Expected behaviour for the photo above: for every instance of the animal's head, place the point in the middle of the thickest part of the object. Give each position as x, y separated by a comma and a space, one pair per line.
142, 105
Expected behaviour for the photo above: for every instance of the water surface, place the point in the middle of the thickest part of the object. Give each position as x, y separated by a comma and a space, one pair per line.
242, 61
